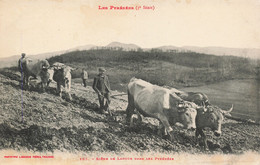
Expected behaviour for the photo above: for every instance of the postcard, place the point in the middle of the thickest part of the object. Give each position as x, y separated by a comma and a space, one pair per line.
130, 82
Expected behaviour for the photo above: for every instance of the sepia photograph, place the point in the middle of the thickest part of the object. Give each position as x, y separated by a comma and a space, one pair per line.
130, 82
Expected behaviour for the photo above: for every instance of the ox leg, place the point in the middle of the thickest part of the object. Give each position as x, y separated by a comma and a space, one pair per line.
161, 130
204, 138
130, 108
197, 134
132, 121
163, 119
139, 119
129, 113
70, 98
68, 89
59, 92
48, 83
42, 87
26, 84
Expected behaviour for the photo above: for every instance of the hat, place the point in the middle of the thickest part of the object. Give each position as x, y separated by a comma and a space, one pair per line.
101, 69
23, 54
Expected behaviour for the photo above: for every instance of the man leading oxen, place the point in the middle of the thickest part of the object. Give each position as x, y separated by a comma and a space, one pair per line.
33, 68
61, 74
157, 102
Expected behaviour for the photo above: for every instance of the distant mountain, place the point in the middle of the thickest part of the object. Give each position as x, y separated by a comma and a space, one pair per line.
220, 51
80, 48
126, 47
13, 60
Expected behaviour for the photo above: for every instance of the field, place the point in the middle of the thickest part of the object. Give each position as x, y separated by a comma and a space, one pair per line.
33, 121
244, 94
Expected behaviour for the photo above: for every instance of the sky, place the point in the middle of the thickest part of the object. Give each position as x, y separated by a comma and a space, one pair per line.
40, 26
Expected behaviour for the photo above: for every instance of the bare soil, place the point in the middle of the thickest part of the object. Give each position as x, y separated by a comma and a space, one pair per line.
35, 121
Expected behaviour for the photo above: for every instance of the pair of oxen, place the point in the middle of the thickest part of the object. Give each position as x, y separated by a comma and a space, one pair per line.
34, 69
170, 106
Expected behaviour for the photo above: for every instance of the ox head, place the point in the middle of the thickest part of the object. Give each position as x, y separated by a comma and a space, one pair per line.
187, 114
67, 74
51, 73
62, 75
44, 64
214, 117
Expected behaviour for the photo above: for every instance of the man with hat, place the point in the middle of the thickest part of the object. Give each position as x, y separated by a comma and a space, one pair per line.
21, 66
102, 88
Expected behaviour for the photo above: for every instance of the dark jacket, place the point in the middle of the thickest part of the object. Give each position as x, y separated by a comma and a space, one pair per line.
100, 87
21, 64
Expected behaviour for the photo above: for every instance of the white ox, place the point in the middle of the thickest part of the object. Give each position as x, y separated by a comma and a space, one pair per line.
34, 68
158, 102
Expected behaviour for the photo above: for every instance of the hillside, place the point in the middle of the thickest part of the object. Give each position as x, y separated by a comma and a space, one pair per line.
219, 51
176, 69
44, 122
250, 53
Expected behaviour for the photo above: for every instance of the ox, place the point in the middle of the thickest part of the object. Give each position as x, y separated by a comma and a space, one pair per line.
196, 97
61, 74
157, 102
209, 116
212, 118
35, 68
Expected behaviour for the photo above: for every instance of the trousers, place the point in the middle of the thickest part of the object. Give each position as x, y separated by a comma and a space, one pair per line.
104, 101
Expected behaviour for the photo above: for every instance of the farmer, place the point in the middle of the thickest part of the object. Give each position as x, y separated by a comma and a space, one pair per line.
20, 62
21, 66
102, 88
84, 76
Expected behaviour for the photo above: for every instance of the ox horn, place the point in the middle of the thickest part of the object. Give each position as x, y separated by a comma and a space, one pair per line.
228, 111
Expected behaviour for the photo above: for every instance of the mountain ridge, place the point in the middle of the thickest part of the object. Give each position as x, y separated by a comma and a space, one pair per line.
253, 53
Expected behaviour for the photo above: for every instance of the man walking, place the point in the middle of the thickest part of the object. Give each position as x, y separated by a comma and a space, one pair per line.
84, 76
102, 88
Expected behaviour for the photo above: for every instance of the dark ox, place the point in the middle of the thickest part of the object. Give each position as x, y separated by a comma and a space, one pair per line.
196, 97
211, 118
62, 76
36, 69
157, 102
